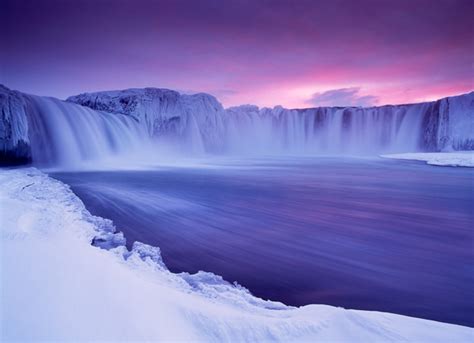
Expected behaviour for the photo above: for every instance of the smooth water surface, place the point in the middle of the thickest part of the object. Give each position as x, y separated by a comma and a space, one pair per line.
385, 235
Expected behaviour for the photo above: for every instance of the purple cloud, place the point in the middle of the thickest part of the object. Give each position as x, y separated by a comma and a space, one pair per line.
242, 51
343, 97
218, 93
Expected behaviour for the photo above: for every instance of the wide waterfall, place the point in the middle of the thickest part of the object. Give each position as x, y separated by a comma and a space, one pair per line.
324, 130
150, 124
199, 124
68, 135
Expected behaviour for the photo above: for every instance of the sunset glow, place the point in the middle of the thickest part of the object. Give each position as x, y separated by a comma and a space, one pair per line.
260, 52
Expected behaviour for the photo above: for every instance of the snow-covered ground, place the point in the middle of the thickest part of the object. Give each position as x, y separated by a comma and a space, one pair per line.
456, 158
56, 286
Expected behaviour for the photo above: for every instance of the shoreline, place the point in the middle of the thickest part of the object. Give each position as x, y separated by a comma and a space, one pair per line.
448, 159
44, 219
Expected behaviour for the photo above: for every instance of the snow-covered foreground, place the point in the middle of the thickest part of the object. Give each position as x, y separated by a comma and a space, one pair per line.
455, 159
56, 286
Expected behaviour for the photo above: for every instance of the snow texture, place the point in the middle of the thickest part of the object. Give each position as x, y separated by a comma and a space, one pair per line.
454, 159
56, 285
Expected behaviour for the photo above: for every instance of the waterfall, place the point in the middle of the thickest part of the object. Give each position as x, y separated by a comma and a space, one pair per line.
64, 134
147, 124
325, 130
194, 143
199, 123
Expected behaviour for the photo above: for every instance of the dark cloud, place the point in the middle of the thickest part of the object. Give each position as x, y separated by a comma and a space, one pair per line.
343, 97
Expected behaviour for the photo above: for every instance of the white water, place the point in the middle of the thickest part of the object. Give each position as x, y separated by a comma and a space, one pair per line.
325, 130
69, 135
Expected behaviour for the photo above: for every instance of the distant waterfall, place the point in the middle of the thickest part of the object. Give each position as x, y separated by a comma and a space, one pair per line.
66, 134
325, 130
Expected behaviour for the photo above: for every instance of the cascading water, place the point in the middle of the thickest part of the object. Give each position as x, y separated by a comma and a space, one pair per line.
148, 124
198, 123
325, 130
67, 135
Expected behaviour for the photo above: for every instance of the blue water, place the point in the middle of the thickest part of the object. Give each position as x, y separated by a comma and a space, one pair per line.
384, 235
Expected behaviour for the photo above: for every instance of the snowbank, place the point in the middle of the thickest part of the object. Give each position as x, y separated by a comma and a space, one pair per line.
55, 285
455, 159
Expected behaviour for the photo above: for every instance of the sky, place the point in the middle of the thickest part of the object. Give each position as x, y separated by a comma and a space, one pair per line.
295, 53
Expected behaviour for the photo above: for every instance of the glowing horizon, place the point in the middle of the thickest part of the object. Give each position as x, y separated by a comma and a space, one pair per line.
300, 54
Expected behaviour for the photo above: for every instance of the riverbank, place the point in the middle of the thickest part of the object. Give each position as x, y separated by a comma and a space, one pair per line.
57, 286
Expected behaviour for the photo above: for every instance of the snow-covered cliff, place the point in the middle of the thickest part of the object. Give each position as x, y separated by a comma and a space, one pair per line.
194, 121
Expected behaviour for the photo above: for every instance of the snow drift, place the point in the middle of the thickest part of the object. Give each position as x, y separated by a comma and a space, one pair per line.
57, 286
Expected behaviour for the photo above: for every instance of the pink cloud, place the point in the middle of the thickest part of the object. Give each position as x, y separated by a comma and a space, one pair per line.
342, 97
245, 51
